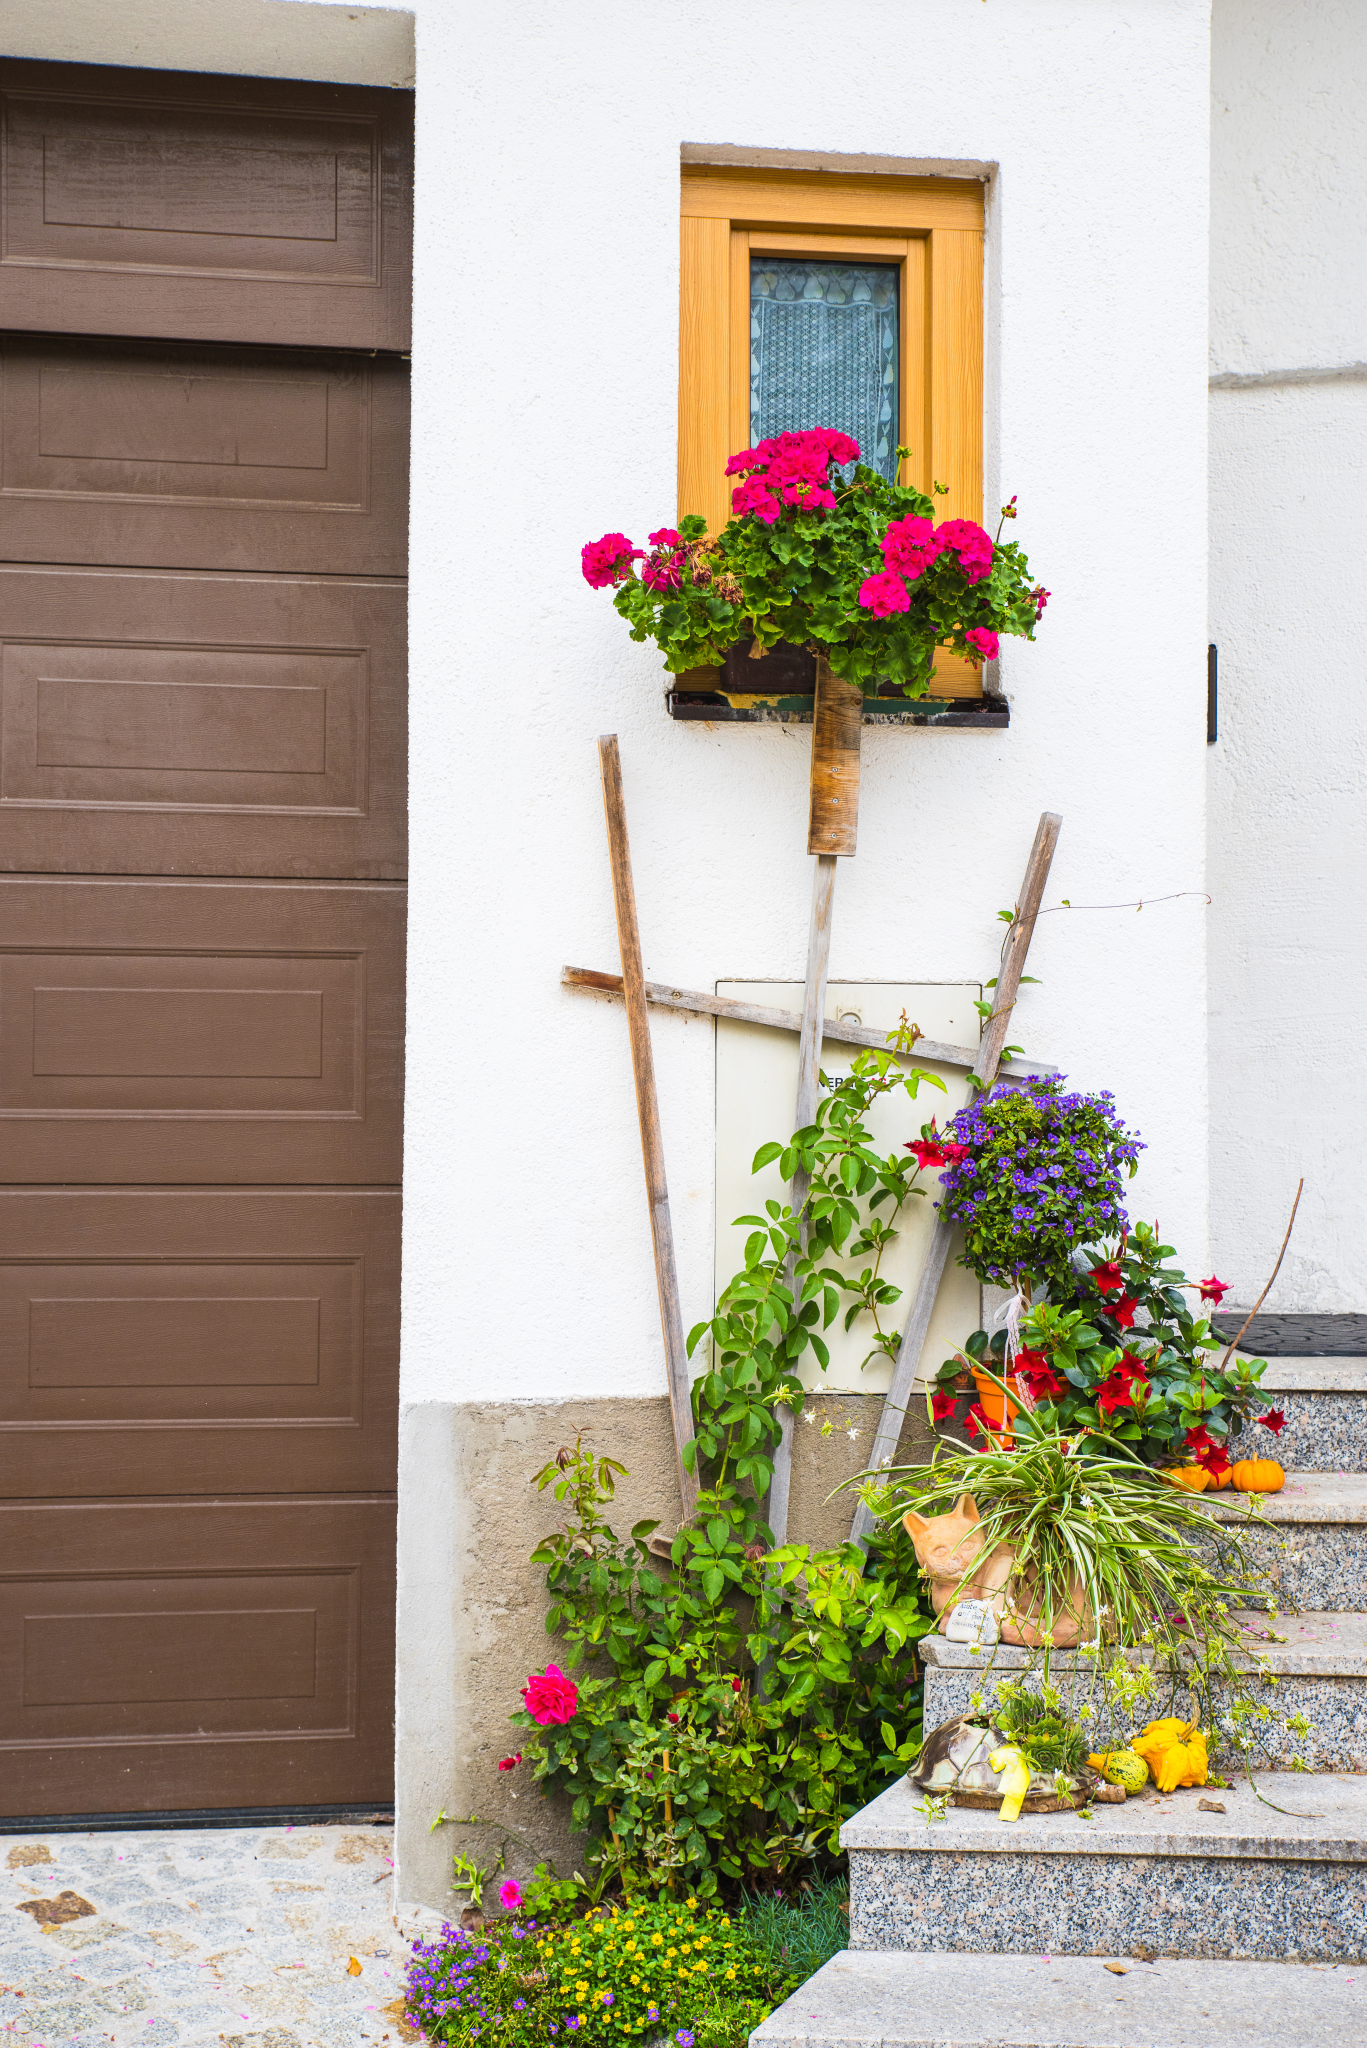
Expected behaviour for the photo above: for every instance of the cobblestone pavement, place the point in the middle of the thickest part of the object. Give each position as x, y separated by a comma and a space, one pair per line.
201, 1938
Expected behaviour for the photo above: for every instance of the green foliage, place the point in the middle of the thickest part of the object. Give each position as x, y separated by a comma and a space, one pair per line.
798, 580
1039, 1727
769, 1319
1082, 1345
683, 1770
655, 1968
799, 1935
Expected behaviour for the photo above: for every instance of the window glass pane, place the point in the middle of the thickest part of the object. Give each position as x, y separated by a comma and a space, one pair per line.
824, 351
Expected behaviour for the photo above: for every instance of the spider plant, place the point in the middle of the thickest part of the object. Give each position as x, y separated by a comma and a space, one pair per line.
1098, 1536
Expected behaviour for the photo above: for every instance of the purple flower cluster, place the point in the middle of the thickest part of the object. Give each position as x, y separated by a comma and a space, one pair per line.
443, 1979
1039, 1176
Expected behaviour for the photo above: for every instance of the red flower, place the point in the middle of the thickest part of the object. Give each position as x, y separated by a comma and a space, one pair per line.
1275, 1420
671, 1717
969, 542
984, 641
735, 1685
1214, 1290
755, 496
607, 560
1037, 1376
510, 1763
1205, 1450
1109, 1278
943, 1406
550, 1697
1122, 1311
954, 1153
1117, 1390
910, 546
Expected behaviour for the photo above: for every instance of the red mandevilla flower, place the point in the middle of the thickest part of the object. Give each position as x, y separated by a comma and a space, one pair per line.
1109, 1277
943, 1406
929, 1151
1275, 1420
1117, 1390
671, 1717
1037, 1376
1206, 1451
1214, 1290
1122, 1311
549, 1697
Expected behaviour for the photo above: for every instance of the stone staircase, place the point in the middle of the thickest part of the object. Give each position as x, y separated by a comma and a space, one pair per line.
1185, 1920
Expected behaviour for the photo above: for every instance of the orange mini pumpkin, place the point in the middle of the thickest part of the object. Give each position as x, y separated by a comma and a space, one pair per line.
1215, 1481
1259, 1475
1191, 1478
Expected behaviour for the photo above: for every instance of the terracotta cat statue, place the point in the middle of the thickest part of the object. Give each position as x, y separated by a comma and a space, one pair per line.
949, 1552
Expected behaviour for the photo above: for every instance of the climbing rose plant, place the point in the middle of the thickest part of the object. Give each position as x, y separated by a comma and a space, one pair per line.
856, 571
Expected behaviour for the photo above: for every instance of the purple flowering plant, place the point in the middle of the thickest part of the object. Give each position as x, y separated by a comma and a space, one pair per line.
1035, 1175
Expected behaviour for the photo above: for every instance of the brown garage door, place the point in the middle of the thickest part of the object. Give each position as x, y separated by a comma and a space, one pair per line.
203, 498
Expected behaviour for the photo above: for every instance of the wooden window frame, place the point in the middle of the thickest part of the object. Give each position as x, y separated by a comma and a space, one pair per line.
932, 228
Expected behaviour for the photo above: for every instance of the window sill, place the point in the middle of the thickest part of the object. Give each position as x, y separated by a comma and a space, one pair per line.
988, 713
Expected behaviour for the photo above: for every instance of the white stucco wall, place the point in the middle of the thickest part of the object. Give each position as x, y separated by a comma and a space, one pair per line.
545, 365
1287, 779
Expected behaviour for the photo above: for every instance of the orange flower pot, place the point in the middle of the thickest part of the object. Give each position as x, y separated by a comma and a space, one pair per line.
992, 1400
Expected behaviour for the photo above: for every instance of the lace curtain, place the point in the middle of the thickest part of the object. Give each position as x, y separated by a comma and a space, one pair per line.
824, 350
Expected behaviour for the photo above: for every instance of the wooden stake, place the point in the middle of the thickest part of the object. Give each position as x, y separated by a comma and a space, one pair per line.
837, 722
695, 1002
648, 1113
808, 1074
904, 1374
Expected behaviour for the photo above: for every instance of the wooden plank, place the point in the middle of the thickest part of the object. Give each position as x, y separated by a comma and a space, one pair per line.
837, 723
831, 199
905, 1373
648, 1112
808, 1076
704, 353
696, 1002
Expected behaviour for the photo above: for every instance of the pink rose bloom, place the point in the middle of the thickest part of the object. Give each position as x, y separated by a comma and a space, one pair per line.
607, 560
883, 595
910, 546
972, 546
754, 496
549, 1697
510, 1895
984, 641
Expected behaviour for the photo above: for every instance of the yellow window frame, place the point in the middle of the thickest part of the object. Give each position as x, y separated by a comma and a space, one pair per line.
932, 228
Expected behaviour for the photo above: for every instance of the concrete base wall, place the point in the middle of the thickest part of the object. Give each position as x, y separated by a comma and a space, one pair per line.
472, 1608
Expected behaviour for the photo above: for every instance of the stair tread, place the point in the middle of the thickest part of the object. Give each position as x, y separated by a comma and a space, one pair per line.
1315, 1376
1306, 1497
864, 1998
1323, 1818
1320, 1644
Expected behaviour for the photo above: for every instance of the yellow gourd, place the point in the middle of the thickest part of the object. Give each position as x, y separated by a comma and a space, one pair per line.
1259, 1475
1122, 1767
1175, 1751
1191, 1478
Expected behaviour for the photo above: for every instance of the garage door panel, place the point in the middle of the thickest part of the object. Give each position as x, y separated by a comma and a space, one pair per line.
156, 1654
198, 1342
134, 452
181, 724
185, 205
164, 1031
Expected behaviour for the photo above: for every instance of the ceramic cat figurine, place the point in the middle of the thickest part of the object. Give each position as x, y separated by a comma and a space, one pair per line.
949, 1552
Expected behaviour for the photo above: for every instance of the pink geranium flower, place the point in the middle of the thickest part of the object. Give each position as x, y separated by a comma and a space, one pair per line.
984, 641
550, 1697
607, 560
510, 1895
969, 542
910, 546
883, 595
755, 496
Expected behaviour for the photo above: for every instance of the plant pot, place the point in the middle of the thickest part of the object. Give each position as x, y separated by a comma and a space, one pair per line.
1072, 1625
992, 1400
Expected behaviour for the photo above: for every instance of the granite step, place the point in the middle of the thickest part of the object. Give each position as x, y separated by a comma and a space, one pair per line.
868, 2000
1315, 1552
1320, 1671
1279, 1878
1324, 1401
